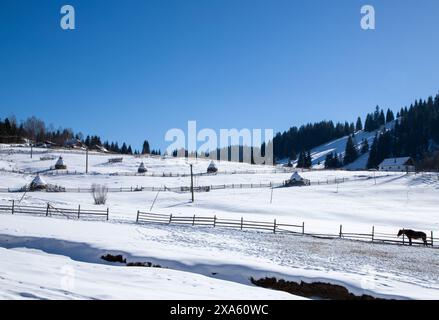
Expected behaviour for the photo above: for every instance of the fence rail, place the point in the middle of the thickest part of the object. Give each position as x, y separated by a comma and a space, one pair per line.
50, 210
186, 189
275, 227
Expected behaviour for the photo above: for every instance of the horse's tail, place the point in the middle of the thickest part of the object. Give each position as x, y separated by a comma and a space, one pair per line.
424, 238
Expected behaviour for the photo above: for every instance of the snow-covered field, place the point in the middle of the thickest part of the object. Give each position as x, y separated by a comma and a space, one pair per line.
59, 258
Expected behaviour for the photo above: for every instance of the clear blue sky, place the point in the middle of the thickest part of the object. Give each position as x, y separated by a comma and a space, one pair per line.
134, 69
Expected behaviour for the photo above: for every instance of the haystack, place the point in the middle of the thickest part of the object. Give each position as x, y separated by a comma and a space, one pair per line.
38, 184
212, 168
296, 180
141, 168
59, 165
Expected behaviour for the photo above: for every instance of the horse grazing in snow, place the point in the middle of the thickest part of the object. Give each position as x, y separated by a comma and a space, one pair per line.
410, 234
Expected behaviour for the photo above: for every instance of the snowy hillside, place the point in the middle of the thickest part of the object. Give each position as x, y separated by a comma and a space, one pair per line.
338, 146
60, 258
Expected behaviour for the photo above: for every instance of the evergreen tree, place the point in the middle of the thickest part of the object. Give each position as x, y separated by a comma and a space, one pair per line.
372, 162
368, 125
301, 160
87, 141
129, 150
308, 160
359, 125
329, 160
351, 153
333, 161
381, 119
389, 116
364, 146
124, 148
145, 148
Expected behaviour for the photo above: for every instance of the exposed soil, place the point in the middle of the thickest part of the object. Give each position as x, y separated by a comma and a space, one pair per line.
143, 264
114, 258
315, 290
119, 258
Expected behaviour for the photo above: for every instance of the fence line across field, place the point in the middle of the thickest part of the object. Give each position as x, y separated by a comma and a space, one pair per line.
202, 188
276, 227
49, 210
211, 221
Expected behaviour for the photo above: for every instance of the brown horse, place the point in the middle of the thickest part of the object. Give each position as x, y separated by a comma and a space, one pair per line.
410, 234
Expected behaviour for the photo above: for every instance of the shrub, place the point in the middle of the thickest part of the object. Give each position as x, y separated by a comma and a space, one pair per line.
99, 193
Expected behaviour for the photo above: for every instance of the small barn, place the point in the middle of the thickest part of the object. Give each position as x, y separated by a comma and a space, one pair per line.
402, 164
74, 144
212, 168
59, 165
296, 180
142, 168
38, 184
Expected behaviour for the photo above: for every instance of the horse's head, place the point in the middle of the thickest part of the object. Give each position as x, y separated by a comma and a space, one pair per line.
400, 232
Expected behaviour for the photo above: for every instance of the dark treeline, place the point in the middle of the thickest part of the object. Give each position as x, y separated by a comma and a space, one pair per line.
377, 119
291, 143
237, 153
39, 133
415, 134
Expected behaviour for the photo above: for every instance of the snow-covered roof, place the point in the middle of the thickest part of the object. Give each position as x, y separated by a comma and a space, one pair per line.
296, 177
38, 182
60, 162
395, 161
212, 165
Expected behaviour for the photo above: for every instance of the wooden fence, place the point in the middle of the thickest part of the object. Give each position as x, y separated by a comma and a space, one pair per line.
49, 210
240, 224
145, 217
276, 227
202, 188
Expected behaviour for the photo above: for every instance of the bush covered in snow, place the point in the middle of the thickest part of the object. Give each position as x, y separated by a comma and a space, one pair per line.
99, 193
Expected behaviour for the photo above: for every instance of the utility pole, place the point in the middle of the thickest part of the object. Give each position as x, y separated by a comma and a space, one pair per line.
192, 184
86, 160
31, 149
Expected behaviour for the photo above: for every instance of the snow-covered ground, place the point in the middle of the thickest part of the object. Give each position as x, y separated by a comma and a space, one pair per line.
220, 259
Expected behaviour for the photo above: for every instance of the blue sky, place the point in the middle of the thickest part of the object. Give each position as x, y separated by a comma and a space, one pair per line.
134, 69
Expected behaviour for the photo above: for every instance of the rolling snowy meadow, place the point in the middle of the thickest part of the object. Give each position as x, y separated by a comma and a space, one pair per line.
59, 257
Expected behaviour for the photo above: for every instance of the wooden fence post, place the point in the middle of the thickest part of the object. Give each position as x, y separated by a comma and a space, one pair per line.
242, 222
432, 238
274, 226
373, 232
108, 213
47, 209
303, 227
13, 206
341, 231
193, 221
170, 218
79, 210
403, 237
137, 218
214, 221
